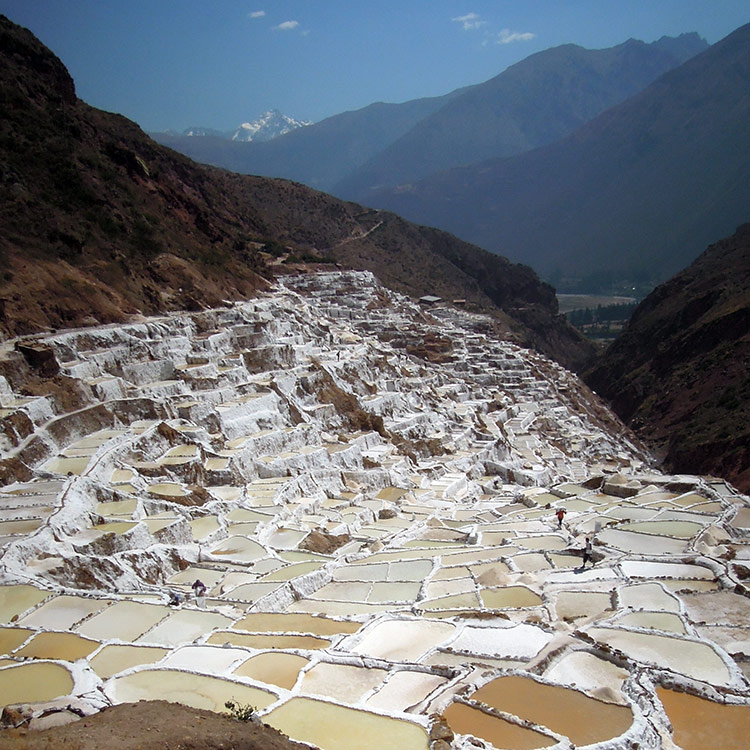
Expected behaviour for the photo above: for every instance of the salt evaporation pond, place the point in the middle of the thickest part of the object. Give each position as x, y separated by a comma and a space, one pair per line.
333, 727
583, 719
196, 690
701, 724
376, 533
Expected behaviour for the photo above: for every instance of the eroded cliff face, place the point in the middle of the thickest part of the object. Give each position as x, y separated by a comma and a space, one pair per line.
678, 375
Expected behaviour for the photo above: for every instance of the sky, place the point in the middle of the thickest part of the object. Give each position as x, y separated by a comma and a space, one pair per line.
174, 64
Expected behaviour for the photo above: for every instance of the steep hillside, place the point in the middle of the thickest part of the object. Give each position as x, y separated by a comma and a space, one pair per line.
638, 192
100, 222
680, 372
534, 102
319, 155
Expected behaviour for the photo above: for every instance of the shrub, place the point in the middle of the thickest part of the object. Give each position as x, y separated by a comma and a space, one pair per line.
239, 712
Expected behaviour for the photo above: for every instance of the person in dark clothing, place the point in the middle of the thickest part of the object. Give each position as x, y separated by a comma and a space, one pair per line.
199, 588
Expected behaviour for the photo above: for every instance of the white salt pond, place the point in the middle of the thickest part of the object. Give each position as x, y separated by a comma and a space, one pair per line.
694, 659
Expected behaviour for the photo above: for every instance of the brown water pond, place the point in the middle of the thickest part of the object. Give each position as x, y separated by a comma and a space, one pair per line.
464, 719
700, 724
583, 719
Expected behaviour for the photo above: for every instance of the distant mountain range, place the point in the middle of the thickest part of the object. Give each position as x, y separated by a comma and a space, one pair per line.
99, 222
679, 374
636, 193
534, 102
269, 125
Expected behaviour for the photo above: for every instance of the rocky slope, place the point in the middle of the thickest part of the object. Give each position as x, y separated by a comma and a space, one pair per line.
100, 222
679, 373
637, 192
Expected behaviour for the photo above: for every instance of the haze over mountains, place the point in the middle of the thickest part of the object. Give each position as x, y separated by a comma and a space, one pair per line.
636, 193
534, 102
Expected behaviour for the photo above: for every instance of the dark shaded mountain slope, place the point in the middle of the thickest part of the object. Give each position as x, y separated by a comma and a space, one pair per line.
680, 372
99, 222
636, 193
534, 102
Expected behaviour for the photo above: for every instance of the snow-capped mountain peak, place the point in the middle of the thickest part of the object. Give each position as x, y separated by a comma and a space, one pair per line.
269, 125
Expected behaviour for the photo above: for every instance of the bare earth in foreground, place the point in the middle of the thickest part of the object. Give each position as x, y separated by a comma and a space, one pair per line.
152, 725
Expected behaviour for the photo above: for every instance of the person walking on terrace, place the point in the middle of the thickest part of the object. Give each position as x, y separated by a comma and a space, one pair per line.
587, 551
560, 515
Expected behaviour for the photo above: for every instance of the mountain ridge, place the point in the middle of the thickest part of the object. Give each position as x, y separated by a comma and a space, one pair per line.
661, 172
532, 103
101, 223
678, 374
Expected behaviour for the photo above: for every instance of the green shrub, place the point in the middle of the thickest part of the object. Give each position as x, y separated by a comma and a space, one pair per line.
239, 712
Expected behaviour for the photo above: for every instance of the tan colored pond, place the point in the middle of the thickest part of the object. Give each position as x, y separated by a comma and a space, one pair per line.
573, 604
16, 599
456, 601
198, 691
289, 572
700, 724
117, 508
62, 465
204, 527
273, 668
332, 727
464, 719
12, 638
583, 719
167, 490
8, 528
113, 658
282, 622
261, 641
33, 683
510, 597
64, 646
653, 621
549, 542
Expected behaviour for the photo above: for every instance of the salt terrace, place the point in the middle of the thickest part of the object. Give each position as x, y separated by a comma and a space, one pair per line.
368, 492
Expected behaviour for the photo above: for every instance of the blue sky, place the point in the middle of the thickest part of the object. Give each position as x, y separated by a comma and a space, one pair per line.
179, 63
